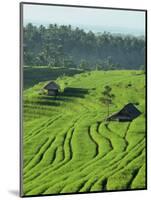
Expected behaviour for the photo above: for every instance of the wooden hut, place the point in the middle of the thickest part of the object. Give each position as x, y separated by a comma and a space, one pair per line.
127, 113
52, 88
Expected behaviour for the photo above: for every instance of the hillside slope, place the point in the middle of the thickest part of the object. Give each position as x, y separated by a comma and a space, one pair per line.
68, 145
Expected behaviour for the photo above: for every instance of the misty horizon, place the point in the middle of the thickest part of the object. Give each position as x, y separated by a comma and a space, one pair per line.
125, 22
94, 28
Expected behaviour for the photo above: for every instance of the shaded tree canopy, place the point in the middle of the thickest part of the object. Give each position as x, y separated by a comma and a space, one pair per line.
59, 46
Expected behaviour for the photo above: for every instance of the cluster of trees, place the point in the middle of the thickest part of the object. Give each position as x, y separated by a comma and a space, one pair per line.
64, 46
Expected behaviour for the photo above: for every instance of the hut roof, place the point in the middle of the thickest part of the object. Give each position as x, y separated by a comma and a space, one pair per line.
52, 86
129, 111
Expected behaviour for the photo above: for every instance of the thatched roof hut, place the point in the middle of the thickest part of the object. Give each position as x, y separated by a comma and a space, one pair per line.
52, 88
127, 113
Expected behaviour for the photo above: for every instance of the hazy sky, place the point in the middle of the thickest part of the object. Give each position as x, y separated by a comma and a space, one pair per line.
97, 20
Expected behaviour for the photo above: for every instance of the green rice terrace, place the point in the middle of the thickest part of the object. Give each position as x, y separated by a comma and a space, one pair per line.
69, 147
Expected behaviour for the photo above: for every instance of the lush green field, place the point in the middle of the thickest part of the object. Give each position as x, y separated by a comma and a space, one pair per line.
68, 145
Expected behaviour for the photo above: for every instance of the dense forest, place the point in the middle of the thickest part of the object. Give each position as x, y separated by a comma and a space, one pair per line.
65, 46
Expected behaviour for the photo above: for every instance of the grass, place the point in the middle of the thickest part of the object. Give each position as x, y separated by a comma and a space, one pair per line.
68, 145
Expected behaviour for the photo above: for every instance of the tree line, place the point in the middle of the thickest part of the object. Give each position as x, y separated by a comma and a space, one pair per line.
65, 46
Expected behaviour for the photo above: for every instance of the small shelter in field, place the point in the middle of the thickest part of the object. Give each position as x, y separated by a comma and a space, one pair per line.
52, 88
127, 113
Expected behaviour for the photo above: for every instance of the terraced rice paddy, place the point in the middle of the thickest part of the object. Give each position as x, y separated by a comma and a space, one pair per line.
68, 145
